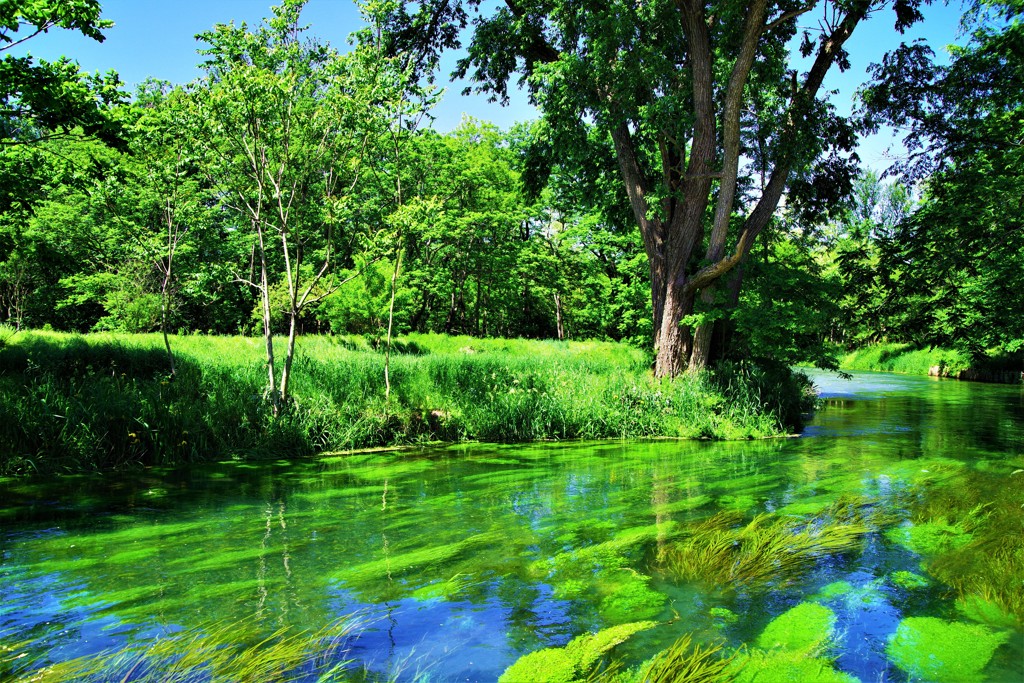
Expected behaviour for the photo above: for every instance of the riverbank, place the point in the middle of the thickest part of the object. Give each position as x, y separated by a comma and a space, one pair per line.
935, 362
71, 403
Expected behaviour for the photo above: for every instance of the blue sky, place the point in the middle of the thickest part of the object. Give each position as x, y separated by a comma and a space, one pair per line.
157, 38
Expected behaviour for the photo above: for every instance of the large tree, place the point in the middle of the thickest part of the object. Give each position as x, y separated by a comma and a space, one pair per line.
697, 97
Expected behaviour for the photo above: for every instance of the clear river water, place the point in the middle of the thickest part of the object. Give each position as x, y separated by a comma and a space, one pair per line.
457, 561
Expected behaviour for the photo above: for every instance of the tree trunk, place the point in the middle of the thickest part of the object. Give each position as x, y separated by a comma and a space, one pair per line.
674, 341
268, 331
164, 305
391, 320
289, 355
558, 316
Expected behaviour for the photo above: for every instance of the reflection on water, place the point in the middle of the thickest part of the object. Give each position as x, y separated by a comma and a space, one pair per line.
459, 560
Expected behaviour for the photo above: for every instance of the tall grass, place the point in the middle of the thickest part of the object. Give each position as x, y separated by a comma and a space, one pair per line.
102, 401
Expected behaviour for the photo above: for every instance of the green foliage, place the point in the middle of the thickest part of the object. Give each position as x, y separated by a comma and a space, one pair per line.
906, 359
578, 661
793, 647
630, 598
783, 665
953, 267
787, 305
943, 651
937, 535
41, 99
908, 580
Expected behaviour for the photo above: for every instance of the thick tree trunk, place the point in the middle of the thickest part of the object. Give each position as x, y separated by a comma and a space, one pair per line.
674, 341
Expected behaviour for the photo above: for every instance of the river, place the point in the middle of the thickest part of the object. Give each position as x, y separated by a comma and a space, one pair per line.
454, 562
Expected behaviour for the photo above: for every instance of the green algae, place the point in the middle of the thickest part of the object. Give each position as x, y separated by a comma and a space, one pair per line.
683, 505
737, 502
399, 563
807, 628
808, 506
783, 666
832, 591
930, 538
687, 661
908, 580
619, 551
577, 661
448, 589
943, 651
723, 615
379, 471
628, 597
132, 556
723, 552
212, 652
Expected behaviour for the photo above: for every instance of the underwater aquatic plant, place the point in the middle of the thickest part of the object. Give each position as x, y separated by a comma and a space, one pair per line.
970, 535
211, 654
943, 651
767, 548
792, 647
580, 660
686, 661
808, 628
776, 666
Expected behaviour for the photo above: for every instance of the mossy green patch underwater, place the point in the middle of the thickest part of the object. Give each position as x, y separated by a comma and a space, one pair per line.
945, 652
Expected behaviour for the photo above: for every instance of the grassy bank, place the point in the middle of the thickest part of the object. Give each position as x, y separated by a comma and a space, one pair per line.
905, 359
909, 360
102, 401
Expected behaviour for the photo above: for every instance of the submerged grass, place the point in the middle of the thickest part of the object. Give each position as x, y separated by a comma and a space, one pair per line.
103, 401
211, 654
724, 551
692, 662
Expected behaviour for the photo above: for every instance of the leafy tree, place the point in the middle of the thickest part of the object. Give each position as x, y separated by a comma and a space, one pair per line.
683, 89
956, 264
288, 122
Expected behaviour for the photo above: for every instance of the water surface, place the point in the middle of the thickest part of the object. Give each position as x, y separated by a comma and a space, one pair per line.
459, 560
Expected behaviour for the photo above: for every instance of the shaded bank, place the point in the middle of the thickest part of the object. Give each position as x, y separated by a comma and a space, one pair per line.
75, 403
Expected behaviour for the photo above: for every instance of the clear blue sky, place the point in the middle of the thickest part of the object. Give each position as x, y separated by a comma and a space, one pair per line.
157, 38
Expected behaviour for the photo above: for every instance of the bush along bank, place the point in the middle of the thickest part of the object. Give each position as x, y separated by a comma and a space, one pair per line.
998, 367
72, 403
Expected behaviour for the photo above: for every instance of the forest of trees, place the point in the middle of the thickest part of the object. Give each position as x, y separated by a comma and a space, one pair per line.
696, 192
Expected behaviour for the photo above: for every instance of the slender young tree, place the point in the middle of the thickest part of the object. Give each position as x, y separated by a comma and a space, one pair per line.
289, 121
